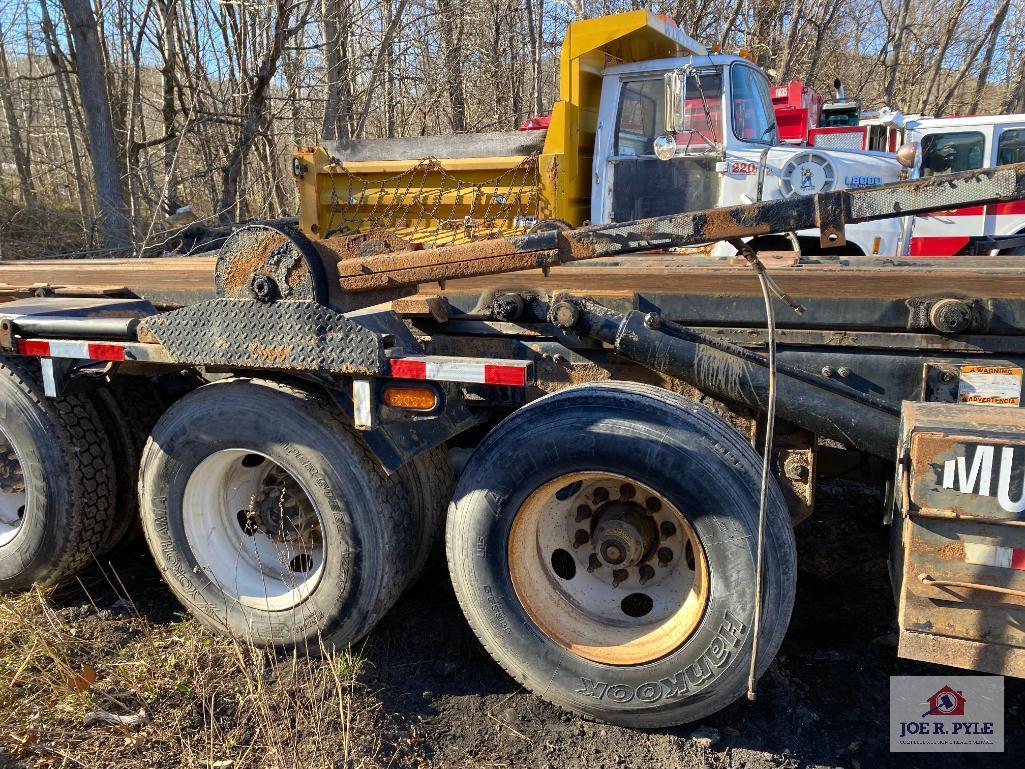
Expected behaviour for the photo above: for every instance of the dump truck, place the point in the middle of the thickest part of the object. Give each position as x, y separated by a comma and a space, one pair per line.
595, 162
613, 436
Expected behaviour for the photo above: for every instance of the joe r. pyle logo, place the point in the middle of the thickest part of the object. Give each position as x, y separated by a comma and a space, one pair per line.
948, 713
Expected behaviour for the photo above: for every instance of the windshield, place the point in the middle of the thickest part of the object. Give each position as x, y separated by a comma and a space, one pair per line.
641, 115
753, 116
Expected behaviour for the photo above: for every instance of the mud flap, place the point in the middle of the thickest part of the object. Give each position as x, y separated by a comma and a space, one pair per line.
958, 560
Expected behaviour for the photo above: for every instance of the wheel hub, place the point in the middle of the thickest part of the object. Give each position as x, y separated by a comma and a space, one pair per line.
254, 529
278, 513
608, 568
624, 535
12, 480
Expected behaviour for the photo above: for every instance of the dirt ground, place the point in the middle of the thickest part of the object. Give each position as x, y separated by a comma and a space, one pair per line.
423, 693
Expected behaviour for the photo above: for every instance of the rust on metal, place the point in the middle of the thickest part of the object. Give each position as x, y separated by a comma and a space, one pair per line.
245, 256
828, 211
962, 653
361, 245
423, 305
960, 604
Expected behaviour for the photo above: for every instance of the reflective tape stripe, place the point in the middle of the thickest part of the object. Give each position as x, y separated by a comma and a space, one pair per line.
994, 555
81, 350
505, 375
408, 369
70, 349
34, 347
452, 369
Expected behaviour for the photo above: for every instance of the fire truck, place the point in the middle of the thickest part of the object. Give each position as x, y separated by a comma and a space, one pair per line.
963, 144
935, 146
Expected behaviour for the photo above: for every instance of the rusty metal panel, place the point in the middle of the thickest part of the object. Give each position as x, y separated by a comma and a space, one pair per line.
984, 657
296, 335
960, 536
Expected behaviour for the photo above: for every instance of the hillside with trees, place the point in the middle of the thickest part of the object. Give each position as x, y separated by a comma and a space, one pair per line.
124, 120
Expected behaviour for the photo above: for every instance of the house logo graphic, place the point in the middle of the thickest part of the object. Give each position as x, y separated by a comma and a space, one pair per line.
946, 702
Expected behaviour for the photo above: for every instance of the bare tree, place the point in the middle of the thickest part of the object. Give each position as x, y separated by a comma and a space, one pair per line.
22, 159
92, 89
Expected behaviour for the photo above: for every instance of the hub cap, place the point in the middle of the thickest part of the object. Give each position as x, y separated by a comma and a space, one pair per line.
253, 529
13, 492
608, 568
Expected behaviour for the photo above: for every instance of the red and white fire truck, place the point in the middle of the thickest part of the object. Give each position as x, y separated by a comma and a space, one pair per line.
962, 144
942, 145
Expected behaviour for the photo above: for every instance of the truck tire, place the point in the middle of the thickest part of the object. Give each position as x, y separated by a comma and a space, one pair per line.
58, 486
601, 543
428, 480
130, 407
270, 520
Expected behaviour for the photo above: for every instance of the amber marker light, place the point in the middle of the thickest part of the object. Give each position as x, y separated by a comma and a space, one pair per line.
410, 397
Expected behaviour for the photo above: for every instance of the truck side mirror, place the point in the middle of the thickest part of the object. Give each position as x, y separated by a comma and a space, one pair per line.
675, 82
665, 145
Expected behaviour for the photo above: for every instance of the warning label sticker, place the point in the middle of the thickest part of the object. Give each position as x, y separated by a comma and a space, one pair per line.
990, 385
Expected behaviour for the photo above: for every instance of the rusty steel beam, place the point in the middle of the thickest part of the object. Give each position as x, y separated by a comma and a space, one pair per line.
829, 212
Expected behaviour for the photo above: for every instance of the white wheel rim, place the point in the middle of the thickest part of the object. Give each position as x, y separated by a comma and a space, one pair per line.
631, 612
13, 491
254, 529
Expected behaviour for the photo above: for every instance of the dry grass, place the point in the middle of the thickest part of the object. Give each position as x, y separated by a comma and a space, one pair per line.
209, 701
41, 232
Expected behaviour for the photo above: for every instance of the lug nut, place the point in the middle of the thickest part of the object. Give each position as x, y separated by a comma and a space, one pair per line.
619, 576
600, 494
665, 555
646, 573
627, 491
667, 529
652, 504
581, 537
593, 563
583, 513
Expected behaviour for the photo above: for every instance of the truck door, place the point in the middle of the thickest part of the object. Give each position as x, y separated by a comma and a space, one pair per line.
641, 185
1007, 218
944, 233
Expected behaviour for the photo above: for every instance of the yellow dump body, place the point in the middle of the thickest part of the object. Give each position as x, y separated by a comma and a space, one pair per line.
439, 190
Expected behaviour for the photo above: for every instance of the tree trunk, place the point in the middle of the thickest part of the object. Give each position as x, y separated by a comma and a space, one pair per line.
258, 91
940, 55
58, 65
452, 20
92, 89
168, 112
987, 60
893, 59
992, 29
535, 34
338, 104
22, 158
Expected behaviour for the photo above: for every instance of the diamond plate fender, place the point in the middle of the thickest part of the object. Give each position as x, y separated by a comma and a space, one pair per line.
288, 335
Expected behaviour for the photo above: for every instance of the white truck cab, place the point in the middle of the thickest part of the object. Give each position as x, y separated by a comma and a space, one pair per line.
948, 145
727, 150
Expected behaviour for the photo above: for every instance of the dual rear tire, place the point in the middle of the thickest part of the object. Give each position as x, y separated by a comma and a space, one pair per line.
270, 520
602, 545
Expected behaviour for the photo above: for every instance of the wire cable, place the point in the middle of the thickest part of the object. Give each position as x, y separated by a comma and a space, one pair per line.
769, 288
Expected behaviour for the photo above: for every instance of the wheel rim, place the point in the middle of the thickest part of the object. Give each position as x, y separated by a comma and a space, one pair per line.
608, 568
13, 491
254, 529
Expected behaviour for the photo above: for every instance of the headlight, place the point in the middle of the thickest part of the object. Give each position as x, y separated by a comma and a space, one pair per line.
907, 153
807, 173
